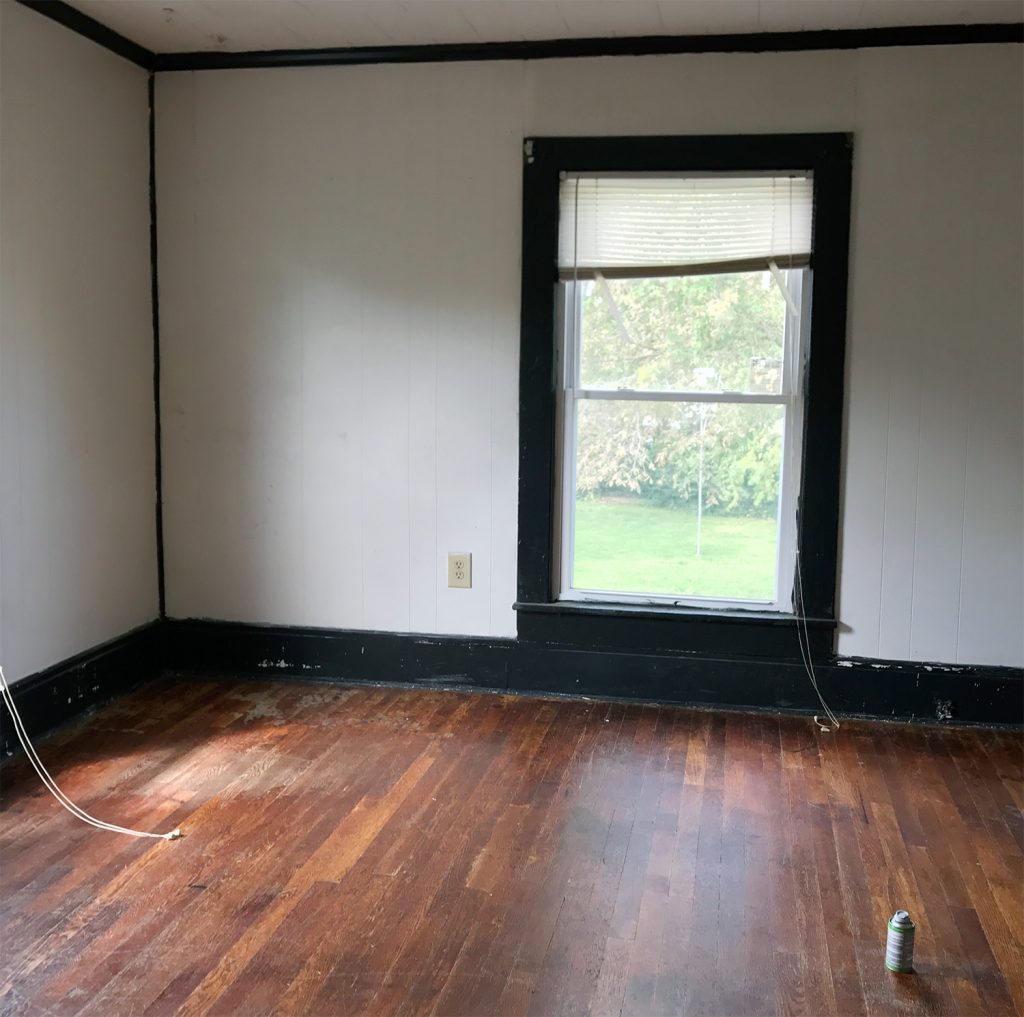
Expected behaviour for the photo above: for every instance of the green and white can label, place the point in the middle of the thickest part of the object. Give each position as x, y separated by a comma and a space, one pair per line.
899, 943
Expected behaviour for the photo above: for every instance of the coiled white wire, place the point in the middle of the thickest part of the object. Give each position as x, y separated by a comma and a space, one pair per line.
51, 784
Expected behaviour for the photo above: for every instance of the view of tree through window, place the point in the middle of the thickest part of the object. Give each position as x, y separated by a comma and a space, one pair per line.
679, 498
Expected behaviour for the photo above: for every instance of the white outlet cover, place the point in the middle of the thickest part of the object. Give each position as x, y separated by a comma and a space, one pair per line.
460, 570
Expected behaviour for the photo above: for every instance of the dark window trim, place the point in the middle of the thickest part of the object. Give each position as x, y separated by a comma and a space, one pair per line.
829, 157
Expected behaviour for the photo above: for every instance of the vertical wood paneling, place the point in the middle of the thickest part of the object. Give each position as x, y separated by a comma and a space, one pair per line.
865, 453
333, 428
426, 287
991, 602
381, 310
386, 271
934, 346
902, 385
364, 222
77, 479
946, 343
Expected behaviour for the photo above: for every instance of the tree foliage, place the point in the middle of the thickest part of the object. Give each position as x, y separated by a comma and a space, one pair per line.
721, 333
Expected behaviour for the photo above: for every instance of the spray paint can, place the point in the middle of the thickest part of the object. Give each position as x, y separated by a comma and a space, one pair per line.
899, 943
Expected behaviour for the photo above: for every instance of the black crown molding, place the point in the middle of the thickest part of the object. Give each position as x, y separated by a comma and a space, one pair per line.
52, 697
68, 16
545, 49
642, 45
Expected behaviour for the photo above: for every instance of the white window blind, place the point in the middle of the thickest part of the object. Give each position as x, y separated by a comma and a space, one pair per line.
637, 226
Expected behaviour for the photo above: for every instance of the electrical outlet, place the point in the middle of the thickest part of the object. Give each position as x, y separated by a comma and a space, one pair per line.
460, 569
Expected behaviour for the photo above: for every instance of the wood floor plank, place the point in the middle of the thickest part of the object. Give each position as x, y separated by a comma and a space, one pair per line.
362, 850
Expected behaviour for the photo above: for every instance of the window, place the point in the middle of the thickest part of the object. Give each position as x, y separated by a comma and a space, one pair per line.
681, 300
619, 401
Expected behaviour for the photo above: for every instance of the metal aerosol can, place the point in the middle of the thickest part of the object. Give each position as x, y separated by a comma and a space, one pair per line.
899, 944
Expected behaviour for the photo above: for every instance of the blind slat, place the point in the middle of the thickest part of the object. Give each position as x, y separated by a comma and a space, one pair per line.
623, 222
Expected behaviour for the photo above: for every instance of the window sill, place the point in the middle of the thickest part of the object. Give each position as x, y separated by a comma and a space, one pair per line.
678, 630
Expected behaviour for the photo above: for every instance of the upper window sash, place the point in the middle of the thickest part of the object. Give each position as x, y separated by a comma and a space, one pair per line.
571, 352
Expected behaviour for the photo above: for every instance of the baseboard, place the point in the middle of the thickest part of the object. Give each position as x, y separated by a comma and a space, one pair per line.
895, 690
63, 691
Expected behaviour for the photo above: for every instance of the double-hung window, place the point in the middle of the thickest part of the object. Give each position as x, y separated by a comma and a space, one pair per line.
681, 392
682, 301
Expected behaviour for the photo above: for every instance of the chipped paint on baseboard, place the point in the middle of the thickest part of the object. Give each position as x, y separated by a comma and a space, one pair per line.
282, 664
900, 665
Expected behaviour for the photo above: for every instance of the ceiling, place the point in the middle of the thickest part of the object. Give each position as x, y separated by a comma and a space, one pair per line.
174, 26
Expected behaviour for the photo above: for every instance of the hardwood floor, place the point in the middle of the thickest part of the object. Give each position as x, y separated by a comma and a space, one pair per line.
370, 850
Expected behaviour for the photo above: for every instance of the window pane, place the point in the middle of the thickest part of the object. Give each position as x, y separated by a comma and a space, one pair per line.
677, 499
709, 333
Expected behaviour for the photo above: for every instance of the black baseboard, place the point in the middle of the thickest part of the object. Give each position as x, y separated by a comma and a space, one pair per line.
51, 697
894, 690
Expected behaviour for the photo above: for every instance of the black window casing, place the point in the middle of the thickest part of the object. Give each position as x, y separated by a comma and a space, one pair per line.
700, 631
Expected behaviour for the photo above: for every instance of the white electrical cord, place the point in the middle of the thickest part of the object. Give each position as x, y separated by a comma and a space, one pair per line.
51, 784
803, 635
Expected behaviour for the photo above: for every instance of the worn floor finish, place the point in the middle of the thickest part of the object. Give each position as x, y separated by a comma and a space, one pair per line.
410, 852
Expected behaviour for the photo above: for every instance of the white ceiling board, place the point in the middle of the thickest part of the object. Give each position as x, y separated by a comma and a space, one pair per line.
416, 22
175, 26
885, 13
526, 20
804, 15
701, 17
606, 19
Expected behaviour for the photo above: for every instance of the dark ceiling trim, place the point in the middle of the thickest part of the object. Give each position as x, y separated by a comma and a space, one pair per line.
646, 45
545, 49
66, 15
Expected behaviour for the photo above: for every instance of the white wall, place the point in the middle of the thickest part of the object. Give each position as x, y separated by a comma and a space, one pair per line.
77, 546
339, 298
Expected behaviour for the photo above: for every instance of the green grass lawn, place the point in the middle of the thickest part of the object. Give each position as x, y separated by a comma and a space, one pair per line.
631, 546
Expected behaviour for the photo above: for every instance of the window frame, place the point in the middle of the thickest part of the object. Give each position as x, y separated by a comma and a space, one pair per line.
628, 625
